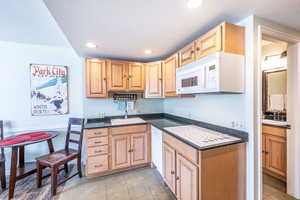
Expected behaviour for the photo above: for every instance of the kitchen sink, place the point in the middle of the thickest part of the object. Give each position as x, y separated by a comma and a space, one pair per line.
122, 121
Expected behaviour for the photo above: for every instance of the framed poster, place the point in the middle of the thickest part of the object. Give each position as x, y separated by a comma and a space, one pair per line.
49, 90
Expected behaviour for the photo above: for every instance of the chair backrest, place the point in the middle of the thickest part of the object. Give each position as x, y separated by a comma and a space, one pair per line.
79, 123
1, 135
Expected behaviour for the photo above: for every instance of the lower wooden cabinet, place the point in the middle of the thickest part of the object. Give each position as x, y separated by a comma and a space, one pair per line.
212, 174
115, 149
120, 151
169, 167
186, 179
274, 153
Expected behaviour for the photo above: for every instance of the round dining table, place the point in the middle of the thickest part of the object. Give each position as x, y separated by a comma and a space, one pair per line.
17, 144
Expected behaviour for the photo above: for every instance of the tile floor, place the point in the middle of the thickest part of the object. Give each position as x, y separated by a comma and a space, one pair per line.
139, 184
274, 189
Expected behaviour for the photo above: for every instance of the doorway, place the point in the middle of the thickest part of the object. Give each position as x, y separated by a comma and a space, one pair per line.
274, 93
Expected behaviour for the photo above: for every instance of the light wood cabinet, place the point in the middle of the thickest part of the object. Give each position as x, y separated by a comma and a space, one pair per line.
169, 167
154, 80
117, 78
274, 153
96, 78
169, 74
217, 173
136, 77
209, 43
120, 151
226, 37
186, 179
187, 54
139, 148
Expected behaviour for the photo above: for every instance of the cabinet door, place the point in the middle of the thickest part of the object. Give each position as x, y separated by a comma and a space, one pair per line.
120, 149
169, 166
95, 78
276, 154
187, 54
154, 80
209, 43
136, 77
117, 75
263, 150
186, 179
169, 73
139, 148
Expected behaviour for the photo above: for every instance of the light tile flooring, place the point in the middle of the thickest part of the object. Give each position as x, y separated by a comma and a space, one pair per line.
139, 184
274, 189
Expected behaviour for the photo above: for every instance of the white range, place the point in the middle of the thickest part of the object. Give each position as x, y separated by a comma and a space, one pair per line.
202, 137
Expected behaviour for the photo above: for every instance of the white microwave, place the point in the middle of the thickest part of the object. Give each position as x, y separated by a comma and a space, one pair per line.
219, 72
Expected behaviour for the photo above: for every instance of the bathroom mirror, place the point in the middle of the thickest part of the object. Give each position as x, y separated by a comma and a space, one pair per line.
274, 91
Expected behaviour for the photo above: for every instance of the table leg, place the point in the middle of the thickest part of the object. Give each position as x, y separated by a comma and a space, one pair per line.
21, 157
13, 172
50, 146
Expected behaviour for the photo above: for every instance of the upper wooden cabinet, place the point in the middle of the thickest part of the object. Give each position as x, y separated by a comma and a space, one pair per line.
136, 77
154, 80
169, 74
187, 54
225, 37
117, 75
96, 78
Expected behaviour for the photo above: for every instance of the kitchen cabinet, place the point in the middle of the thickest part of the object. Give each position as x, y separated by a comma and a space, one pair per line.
136, 77
274, 153
186, 179
117, 75
169, 167
226, 37
187, 54
139, 148
217, 173
169, 74
95, 78
154, 87
120, 151
115, 149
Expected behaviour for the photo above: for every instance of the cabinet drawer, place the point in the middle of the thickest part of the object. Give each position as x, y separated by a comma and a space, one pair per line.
182, 148
96, 132
128, 129
97, 164
277, 131
97, 141
92, 151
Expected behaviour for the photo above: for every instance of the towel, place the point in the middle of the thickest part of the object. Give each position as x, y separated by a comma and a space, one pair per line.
277, 102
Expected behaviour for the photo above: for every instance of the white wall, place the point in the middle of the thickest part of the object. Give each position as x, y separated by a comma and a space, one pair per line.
15, 84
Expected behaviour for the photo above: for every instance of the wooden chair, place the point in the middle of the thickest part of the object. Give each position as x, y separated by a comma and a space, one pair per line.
2, 160
62, 157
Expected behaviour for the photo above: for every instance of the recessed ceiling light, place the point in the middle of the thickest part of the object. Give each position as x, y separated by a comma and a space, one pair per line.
148, 51
194, 3
90, 45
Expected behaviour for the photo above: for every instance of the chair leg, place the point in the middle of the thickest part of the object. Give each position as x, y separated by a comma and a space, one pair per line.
3, 177
79, 167
39, 174
66, 168
53, 180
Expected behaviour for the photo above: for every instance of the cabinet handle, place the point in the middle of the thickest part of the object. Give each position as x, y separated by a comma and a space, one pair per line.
192, 52
99, 151
130, 150
172, 172
104, 79
177, 178
98, 133
98, 142
197, 49
98, 165
266, 152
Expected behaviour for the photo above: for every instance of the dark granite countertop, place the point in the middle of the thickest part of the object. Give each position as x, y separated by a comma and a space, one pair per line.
162, 121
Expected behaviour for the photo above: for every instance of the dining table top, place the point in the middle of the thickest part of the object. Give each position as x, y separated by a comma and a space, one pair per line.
52, 134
